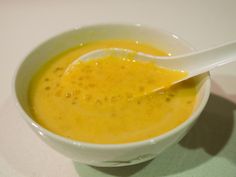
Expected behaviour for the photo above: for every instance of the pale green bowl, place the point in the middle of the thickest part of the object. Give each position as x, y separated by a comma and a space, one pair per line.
98, 154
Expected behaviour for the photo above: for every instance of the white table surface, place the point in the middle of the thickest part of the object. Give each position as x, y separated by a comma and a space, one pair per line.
26, 23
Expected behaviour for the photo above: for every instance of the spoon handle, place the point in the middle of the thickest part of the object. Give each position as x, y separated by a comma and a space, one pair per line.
202, 61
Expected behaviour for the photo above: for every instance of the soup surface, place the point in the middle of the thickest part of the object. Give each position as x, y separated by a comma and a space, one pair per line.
108, 100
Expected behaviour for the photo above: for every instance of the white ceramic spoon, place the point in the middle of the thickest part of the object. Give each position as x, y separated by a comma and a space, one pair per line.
194, 63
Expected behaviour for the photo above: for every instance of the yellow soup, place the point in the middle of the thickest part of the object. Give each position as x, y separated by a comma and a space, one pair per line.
109, 100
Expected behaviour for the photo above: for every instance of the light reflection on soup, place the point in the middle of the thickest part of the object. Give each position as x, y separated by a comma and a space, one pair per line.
101, 101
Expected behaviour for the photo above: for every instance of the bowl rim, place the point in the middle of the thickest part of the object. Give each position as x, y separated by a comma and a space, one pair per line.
44, 132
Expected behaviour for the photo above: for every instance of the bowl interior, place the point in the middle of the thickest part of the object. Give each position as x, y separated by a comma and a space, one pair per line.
158, 38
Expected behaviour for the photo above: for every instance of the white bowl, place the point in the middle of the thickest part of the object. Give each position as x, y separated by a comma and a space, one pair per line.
112, 154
